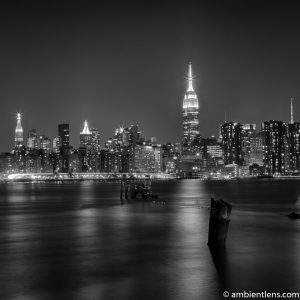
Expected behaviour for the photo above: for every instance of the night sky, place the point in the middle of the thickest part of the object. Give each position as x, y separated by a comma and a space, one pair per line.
125, 63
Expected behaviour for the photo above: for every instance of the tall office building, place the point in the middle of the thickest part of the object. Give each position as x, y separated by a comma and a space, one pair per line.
85, 136
44, 143
64, 138
19, 133
96, 140
55, 145
232, 143
248, 130
64, 147
293, 138
256, 150
190, 120
274, 143
147, 159
32, 139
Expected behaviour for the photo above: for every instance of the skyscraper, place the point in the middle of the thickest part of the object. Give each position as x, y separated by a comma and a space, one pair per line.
256, 150
64, 146
96, 139
85, 136
190, 120
232, 143
293, 138
274, 136
64, 138
32, 139
19, 133
85, 149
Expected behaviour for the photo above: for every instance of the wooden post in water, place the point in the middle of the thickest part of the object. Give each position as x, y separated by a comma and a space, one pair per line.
218, 223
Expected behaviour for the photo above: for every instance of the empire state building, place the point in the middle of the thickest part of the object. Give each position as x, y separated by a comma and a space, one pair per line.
190, 120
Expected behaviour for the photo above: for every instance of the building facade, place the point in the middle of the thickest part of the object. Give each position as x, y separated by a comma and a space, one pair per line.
274, 145
190, 118
232, 143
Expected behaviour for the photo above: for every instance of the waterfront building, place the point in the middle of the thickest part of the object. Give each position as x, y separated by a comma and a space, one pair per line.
190, 119
8, 163
170, 157
189, 166
147, 159
293, 139
247, 131
274, 145
232, 143
211, 154
110, 161
74, 162
48, 162
19, 141
256, 150
33, 163
64, 147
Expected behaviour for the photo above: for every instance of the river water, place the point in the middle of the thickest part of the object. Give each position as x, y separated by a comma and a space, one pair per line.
77, 241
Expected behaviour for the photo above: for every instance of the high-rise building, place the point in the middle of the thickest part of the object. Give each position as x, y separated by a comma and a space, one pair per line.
232, 143
256, 150
64, 138
32, 139
85, 147
147, 159
44, 143
293, 138
64, 147
274, 144
127, 136
86, 136
8, 163
19, 133
248, 130
55, 145
190, 120
96, 140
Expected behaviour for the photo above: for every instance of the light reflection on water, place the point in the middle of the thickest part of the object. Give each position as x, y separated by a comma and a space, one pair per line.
76, 241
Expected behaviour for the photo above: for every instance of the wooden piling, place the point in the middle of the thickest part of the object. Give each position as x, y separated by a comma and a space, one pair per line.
218, 223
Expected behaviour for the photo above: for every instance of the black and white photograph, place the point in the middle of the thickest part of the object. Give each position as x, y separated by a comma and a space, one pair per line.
149, 150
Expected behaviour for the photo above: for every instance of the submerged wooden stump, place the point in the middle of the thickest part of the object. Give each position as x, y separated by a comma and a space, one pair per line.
218, 223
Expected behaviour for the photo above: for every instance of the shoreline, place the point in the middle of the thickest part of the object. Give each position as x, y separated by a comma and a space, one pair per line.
112, 178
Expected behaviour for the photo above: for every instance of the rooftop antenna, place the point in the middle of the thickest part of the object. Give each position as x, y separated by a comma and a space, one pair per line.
292, 112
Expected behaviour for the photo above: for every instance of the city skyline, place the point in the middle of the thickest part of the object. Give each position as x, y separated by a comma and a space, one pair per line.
115, 65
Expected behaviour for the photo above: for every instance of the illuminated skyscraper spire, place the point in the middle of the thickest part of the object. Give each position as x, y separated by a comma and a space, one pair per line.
190, 87
85, 136
19, 132
86, 129
190, 120
292, 112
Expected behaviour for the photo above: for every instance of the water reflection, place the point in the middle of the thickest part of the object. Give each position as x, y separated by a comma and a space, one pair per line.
76, 241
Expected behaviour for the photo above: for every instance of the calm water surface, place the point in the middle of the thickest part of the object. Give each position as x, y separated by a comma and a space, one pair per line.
76, 241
